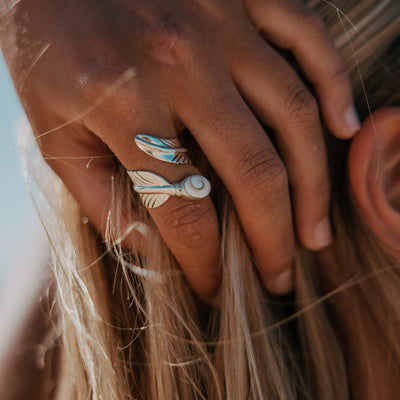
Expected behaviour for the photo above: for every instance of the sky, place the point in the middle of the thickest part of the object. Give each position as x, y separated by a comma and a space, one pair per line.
16, 212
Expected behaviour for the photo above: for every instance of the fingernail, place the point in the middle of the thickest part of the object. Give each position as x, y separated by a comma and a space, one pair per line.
352, 120
323, 233
283, 283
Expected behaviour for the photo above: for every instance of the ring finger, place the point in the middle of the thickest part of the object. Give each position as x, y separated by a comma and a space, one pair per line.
188, 227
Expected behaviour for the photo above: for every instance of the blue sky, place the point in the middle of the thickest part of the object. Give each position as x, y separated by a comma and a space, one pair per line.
16, 211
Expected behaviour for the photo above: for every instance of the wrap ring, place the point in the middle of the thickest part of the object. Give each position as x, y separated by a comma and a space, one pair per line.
154, 190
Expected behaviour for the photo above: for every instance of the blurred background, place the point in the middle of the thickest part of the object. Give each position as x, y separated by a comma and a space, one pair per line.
24, 252
18, 219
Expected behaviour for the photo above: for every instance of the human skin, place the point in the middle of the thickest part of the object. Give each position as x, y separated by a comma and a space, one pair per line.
93, 74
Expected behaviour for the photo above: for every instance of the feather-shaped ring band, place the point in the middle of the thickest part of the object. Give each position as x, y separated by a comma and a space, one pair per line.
164, 149
155, 190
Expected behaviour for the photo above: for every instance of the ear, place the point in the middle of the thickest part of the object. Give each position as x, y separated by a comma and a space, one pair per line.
374, 171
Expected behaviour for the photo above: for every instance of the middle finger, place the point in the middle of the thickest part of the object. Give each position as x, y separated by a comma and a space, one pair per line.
244, 158
281, 100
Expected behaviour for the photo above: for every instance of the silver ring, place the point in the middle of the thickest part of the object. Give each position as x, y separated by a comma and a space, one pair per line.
168, 150
154, 190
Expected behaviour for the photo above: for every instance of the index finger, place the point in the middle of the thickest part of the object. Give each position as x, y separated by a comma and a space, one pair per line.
292, 27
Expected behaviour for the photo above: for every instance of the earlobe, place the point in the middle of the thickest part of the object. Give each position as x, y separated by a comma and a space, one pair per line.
374, 172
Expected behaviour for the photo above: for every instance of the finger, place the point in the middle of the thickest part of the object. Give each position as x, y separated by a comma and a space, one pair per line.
283, 103
241, 154
290, 26
188, 227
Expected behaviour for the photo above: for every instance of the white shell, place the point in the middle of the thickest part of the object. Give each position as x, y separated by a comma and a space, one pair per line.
196, 186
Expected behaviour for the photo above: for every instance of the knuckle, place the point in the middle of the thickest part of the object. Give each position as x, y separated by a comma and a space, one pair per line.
262, 172
168, 41
312, 22
88, 72
190, 221
300, 104
97, 78
95, 69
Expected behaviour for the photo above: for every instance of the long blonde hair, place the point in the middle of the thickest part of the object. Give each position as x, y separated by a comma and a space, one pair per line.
131, 328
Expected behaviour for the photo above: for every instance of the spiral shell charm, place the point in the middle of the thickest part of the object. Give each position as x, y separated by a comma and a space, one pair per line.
196, 187
154, 190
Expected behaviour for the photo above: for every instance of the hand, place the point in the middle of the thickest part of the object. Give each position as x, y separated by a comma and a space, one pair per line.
93, 74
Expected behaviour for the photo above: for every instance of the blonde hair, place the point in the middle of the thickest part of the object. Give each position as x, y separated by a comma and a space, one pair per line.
131, 328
